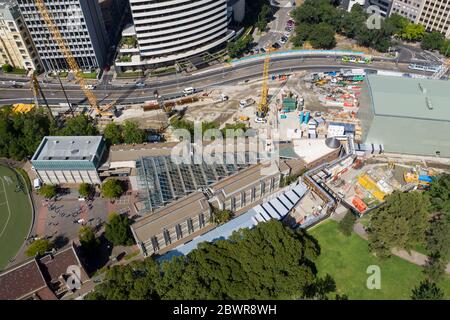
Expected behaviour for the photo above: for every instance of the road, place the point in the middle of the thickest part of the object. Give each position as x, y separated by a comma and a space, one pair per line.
203, 80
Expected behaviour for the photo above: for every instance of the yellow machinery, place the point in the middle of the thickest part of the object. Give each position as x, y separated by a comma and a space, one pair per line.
22, 107
367, 183
71, 61
263, 107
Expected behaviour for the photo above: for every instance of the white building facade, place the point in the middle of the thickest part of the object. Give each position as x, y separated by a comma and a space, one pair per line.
170, 30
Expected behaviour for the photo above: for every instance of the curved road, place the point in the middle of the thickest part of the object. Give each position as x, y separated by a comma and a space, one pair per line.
202, 80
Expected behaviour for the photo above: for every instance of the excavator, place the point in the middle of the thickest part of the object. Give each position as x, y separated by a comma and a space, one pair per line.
98, 111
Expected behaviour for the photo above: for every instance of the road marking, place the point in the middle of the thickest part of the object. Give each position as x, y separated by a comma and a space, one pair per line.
9, 211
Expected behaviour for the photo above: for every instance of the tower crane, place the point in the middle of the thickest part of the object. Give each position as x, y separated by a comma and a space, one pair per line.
263, 107
71, 61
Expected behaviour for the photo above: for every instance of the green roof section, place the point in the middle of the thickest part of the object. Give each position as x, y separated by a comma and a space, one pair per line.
410, 97
406, 115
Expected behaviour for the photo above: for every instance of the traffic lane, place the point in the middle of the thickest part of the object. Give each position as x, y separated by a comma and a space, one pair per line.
142, 95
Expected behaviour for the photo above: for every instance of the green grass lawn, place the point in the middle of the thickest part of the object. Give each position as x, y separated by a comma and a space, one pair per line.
15, 214
347, 259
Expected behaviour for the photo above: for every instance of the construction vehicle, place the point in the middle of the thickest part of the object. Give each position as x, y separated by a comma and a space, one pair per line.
22, 107
72, 63
263, 107
244, 118
359, 204
246, 102
367, 183
418, 179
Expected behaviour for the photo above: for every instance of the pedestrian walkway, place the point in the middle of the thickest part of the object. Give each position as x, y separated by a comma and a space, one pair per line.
413, 256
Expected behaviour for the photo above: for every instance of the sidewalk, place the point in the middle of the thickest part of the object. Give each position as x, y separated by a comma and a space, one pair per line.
412, 256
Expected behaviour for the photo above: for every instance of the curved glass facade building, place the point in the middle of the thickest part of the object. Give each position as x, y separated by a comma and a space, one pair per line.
169, 30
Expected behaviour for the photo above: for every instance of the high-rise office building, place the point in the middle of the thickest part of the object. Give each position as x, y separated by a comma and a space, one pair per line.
435, 16
407, 8
166, 31
16, 47
80, 23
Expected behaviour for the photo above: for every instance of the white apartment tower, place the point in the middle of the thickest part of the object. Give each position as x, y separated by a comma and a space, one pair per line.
16, 47
169, 30
80, 23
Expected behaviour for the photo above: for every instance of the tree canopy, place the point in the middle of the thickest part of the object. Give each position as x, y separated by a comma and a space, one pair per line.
21, 133
88, 241
40, 246
132, 133
400, 222
85, 189
347, 223
113, 133
112, 188
80, 125
427, 290
269, 261
118, 230
48, 191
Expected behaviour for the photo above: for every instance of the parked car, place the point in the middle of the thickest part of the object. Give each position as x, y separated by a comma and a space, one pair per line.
276, 45
283, 39
188, 91
260, 120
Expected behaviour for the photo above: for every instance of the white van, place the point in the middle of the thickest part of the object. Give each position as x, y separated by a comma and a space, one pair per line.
37, 184
188, 91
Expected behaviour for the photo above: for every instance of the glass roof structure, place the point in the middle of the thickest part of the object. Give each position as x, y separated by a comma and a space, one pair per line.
161, 180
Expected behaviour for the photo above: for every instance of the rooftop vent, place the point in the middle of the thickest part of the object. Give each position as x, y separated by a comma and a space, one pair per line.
89, 141
74, 151
429, 104
56, 141
422, 89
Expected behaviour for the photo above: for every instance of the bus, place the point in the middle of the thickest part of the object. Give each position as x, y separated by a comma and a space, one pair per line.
421, 67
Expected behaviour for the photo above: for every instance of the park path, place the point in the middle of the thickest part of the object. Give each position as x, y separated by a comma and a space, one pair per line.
41, 220
412, 256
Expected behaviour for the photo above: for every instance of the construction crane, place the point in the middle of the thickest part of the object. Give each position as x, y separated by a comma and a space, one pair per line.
263, 107
71, 61
37, 90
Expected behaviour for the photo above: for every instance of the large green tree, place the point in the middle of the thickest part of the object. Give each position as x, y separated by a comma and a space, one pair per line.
322, 36
432, 41
347, 223
399, 223
80, 125
118, 230
434, 268
112, 188
269, 261
89, 242
113, 133
438, 237
132, 133
85, 189
48, 191
427, 290
40, 246
21, 133
413, 32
